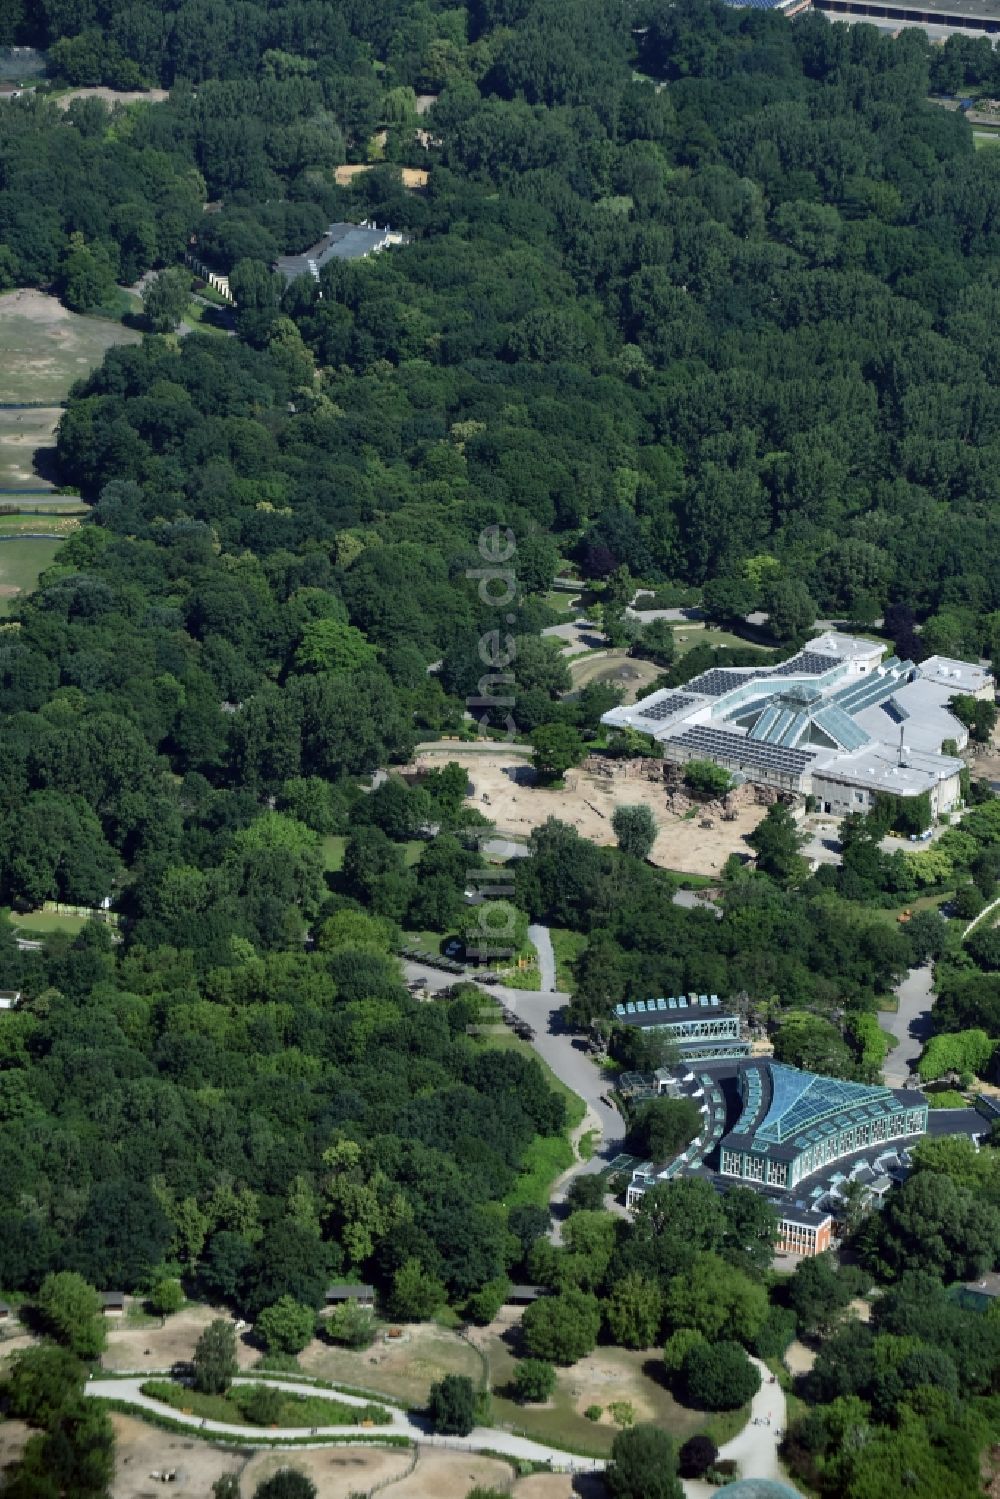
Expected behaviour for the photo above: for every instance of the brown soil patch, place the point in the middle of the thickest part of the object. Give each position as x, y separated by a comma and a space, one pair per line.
798, 1358
450, 1475
337, 1472
141, 1450
13, 1437
404, 1370
588, 803
115, 96
172, 1343
413, 177
545, 1486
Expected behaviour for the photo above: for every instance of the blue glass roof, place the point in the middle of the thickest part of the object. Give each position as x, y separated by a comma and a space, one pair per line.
801, 1100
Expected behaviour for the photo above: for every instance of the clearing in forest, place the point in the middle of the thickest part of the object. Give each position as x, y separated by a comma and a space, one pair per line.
44, 347
503, 791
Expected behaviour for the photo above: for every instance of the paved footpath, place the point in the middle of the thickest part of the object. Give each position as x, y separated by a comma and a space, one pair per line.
755, 1448
482, 1439
911, 1024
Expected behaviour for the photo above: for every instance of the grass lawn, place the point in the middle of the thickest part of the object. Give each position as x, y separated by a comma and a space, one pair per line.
291, 1410
567, 946
981, 142
403, 1370
332, 849
606, 1376
562, 602
695, 634
61, 523
204, 319
21, 562
44, 347
547, 1157
41, 923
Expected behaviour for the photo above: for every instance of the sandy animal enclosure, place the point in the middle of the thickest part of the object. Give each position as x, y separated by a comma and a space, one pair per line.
588, 803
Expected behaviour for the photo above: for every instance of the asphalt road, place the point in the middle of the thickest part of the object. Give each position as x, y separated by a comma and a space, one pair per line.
911, 1024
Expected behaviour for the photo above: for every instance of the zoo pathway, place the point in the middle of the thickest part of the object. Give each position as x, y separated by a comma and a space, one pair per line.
487, 1439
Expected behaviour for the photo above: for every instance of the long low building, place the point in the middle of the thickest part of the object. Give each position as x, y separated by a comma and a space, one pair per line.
698, 1025
794, 1136
835, 721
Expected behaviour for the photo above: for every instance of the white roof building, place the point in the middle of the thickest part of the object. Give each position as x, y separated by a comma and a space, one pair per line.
834, 720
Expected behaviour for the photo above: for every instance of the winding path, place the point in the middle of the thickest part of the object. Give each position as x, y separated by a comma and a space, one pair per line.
755, 1448
481, 1439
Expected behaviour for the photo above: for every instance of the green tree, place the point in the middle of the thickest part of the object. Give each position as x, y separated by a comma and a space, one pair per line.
812, 1043
555, 748
287, 1483
562, 1329
817, 1293
664, 1127
534, 1380
635, 828
286, 1327
259, 1403
352, 1325
707, 779
166, 1297
718, 1377
415, 1295
42, 1381
790, 607
71, 1312
633, 1310
776, 842
165, 299
657, 643
696, 1456
717, 1300
226, 1487
87, 279
643, 1465
215, 1358
452, 1405
333, 645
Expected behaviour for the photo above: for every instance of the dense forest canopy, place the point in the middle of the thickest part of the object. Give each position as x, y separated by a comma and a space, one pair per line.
694, 296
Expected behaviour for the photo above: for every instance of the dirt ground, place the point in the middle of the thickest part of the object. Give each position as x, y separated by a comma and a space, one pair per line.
22, 435
588, 803
172, 1343
798, 1358
141, 1450
13, 1436
44, 347
405, 1370
114, 96
415, 177
337, 1472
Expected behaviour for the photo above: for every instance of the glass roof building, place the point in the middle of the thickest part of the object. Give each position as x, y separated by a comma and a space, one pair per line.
794, 1123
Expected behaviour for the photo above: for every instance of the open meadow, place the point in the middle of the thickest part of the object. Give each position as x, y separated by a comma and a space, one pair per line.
21, 562
27, 443
44, 347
